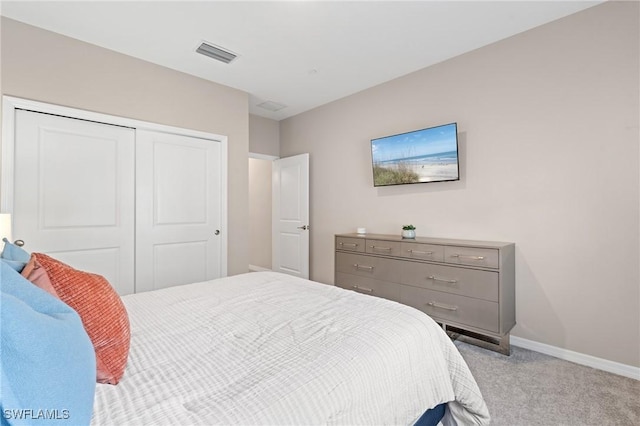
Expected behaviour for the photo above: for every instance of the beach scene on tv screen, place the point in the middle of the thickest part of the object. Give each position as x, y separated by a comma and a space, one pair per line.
428, 155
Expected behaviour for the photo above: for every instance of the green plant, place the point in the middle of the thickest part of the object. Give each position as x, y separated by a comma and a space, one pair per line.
394, 176
408, 227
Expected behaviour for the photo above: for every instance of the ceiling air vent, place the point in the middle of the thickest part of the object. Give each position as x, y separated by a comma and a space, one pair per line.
272, 106
216, 53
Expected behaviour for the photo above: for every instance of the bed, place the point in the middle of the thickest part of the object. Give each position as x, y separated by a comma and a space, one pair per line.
269, 348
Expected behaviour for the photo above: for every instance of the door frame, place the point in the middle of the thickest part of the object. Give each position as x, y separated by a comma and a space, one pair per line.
272, 159
7, 149
276, 218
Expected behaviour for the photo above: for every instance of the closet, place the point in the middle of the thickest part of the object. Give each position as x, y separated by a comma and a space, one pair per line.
141, 207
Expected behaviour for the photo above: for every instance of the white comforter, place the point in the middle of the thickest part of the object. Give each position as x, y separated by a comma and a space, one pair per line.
268, 348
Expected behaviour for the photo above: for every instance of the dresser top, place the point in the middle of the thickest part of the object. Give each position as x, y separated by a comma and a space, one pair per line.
429, 240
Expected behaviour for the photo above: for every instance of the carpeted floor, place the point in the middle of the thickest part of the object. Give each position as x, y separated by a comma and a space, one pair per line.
530, 388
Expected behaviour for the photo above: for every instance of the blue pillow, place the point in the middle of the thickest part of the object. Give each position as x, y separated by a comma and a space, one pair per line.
47, 361
14, 256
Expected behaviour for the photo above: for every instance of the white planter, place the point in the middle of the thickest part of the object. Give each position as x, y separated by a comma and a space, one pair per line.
411, 233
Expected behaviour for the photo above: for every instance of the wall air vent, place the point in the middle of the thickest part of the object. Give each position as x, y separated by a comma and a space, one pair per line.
216, 53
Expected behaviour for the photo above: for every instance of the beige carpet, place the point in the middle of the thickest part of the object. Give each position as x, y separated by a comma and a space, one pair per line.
529, 388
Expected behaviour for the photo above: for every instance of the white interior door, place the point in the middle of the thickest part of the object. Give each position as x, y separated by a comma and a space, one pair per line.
74, 193
178, 210
290, 213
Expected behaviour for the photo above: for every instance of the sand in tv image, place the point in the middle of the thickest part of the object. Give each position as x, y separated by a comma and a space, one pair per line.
427, 155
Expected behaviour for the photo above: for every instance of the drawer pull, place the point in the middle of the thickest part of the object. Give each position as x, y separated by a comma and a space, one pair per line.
425, 253
358, 288
368, 268
381, 248
349, 244
441, 306
468, 257
431, 277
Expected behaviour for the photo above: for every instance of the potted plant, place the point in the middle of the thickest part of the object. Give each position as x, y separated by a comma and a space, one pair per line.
408, 231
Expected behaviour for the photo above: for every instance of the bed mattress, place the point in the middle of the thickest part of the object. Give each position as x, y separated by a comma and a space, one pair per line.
268, 348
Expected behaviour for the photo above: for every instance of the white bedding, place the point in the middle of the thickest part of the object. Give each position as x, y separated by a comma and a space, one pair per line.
268, 348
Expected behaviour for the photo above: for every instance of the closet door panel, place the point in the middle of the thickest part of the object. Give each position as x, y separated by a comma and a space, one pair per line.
181, 195
177, 210
74, 193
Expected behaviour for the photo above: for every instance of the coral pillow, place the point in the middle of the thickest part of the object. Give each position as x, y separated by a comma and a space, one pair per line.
102, 312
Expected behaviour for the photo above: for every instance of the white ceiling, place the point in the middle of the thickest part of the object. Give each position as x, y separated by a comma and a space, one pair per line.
298, 53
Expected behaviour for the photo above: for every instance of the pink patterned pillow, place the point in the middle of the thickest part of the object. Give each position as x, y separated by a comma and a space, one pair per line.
35, 273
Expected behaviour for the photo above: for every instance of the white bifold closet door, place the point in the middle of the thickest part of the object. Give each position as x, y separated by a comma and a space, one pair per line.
177, 210
140, 208
74, 187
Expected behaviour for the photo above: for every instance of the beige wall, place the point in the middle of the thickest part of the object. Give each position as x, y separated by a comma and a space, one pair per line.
264, 136
260, 213
47, 67
548, 126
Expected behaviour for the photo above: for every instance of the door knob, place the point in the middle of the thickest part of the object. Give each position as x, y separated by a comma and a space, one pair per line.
217, 232
304, 227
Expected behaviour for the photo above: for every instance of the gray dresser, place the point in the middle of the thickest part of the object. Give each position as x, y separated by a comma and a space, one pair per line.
468, 287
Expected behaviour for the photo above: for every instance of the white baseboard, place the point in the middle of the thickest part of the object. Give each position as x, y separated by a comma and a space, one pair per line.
578, 358
254, 268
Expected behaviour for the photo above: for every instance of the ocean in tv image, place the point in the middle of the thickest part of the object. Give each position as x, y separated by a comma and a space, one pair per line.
428, 155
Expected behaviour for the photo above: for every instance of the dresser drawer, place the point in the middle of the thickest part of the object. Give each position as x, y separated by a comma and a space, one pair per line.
370, 286
422, 251
388, 248
351, 244
452, 307
489, 258
368, 266
450, 279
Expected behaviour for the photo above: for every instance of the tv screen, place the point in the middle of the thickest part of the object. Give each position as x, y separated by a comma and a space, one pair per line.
427, 155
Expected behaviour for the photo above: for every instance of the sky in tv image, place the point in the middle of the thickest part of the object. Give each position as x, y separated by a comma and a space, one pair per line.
425, 142
421, 156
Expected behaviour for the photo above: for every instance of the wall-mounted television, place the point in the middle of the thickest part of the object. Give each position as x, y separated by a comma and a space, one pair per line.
426, 155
